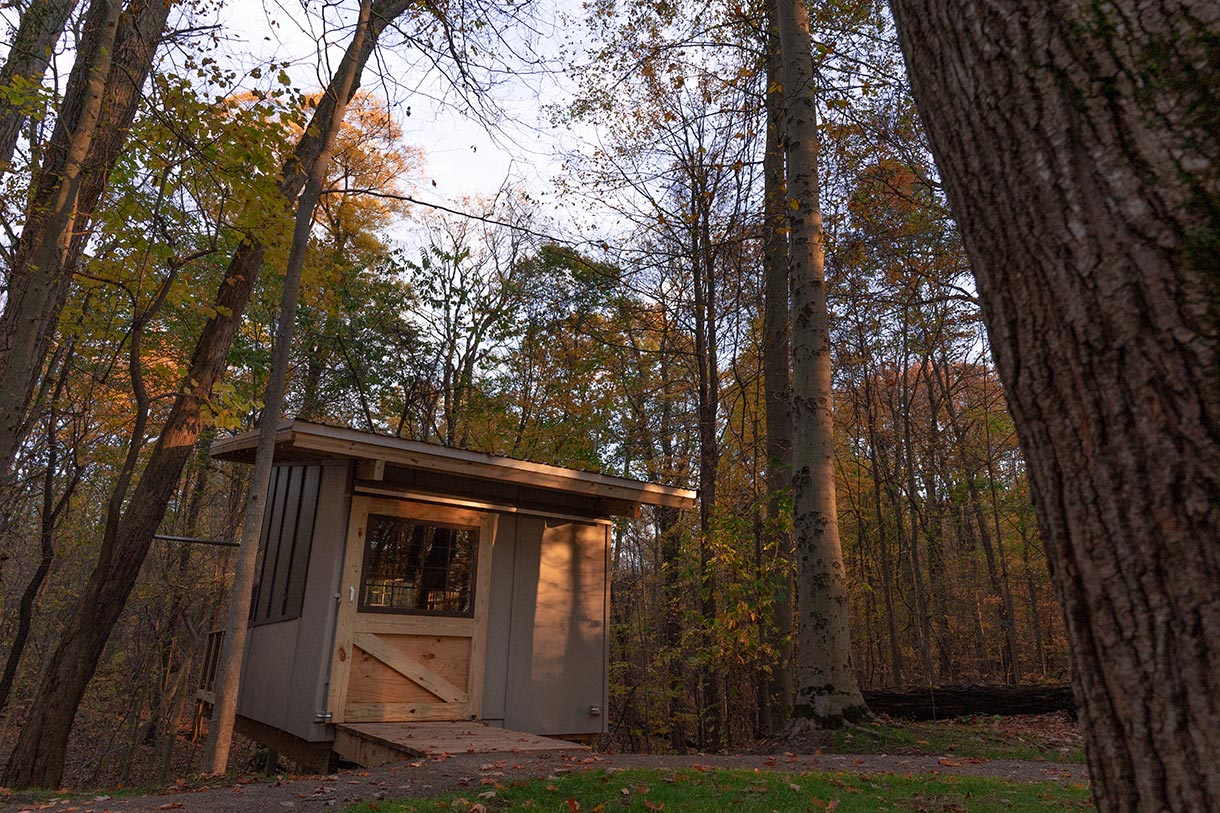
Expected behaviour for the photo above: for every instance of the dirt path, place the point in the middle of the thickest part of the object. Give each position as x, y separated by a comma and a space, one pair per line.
428, 777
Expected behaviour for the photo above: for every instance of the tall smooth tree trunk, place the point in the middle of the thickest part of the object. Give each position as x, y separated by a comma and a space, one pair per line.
703, 267
669, 546
906, 464
826, 689
1079, 144
997, 568
934, 531
1010, 612
228, 673
37, 758
777, 389
103, 95
883, 542
1035, 615
40, 27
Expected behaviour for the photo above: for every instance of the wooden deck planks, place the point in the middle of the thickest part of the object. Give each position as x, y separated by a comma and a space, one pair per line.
429, 739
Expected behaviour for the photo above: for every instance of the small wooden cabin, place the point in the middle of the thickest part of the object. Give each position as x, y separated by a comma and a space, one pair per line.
402, 581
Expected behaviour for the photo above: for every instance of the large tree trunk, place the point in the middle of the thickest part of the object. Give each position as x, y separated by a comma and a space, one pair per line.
40, 28
825, 683
228, 674
703, 267
1080, 147
669, 546
946, 702
38, 756
104, 92
777, 391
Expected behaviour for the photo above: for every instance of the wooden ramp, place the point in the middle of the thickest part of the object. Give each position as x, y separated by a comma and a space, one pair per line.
372, 744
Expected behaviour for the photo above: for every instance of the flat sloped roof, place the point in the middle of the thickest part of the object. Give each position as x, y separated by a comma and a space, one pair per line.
319, 439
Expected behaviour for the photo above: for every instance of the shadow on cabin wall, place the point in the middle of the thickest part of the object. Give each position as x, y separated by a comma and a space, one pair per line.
556, 659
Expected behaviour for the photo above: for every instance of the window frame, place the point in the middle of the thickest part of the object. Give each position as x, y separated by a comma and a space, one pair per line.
409, 517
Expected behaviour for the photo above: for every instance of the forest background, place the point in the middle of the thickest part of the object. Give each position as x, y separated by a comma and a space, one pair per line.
606, 309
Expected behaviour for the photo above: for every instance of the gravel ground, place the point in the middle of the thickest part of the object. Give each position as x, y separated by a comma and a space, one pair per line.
429, 777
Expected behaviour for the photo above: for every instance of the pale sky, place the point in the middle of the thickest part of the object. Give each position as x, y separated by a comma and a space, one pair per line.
461, 157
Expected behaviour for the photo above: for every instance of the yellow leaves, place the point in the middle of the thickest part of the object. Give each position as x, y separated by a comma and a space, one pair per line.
794, 204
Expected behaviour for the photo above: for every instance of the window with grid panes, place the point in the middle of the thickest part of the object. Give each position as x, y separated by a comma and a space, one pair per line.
417, 567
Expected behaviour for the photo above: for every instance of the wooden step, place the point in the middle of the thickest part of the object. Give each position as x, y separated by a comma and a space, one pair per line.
373, 744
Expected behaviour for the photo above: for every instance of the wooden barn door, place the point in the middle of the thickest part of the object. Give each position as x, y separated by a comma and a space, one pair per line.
412, 623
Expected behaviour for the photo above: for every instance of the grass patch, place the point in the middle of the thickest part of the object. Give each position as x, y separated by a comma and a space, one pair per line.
708, 791
962, 738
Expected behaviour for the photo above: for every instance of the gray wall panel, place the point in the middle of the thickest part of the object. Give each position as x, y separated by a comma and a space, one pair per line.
499, 626
557, 650
270, 654
317, 627
521, 710
284, 674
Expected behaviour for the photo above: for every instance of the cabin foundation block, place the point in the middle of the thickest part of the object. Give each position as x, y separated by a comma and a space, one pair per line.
312, 757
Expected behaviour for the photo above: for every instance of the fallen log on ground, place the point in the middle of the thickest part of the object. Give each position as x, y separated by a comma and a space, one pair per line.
943, 702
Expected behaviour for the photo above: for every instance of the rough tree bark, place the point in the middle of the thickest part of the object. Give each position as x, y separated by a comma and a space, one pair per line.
104, 92
825, 683
40, 28
38, 756
1079, 144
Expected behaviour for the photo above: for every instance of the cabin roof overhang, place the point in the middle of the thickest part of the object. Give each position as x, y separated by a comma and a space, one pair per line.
302, 440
